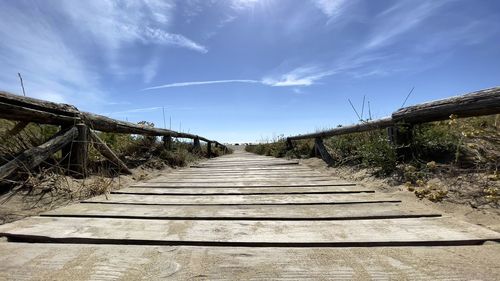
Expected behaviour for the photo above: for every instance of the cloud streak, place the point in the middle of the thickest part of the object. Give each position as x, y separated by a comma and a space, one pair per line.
197, 83
331, 8
399, 19
301, 76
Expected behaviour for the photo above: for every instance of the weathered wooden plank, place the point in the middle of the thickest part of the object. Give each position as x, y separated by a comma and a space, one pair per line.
283, 212
234, 191
268, 199
478, 103
19, 113
357, 128
46, 106
17, 128
189, 176
241, 184
24, 261
411, 231
36, 155
264, 168
20, 108
247, 170
242, 180
106, 124
483, 102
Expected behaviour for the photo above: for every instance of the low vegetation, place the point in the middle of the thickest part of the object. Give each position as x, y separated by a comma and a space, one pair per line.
459, 156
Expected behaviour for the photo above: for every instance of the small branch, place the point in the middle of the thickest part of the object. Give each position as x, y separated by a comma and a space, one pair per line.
369, 111
22, 84
355, 111
406, 99
363, 108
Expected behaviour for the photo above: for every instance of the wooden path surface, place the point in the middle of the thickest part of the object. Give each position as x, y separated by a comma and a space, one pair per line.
244, 216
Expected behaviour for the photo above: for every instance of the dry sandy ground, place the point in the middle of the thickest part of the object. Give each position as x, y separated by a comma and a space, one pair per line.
488, 217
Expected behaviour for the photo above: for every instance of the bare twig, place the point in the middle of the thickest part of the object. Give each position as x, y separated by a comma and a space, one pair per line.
355, 111
406, 99
22, 84
164, 122
369, 111
363, 107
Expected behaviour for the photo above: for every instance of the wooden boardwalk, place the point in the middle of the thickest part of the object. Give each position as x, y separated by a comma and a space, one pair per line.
243, 216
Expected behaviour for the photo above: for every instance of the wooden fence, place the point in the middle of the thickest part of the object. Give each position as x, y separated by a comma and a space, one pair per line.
483, 102
76, 132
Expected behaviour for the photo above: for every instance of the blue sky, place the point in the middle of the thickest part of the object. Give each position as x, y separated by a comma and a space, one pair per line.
248, 70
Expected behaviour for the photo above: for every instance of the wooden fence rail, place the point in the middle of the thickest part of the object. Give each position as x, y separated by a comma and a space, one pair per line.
479, 103
25, 109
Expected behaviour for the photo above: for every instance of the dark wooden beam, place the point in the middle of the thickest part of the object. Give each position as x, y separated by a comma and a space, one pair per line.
321, 151
101, 146
363, 127
24, 114
36, 155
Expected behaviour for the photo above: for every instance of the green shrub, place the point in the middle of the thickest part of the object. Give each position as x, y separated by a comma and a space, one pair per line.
469, 142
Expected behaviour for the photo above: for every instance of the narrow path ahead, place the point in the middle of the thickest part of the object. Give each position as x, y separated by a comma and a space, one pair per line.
244, 216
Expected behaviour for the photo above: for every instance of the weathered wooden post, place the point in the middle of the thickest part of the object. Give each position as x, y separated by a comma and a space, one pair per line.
78, 157
167, 142
320, 150
289, 144
196, 144
209, 149
400, 137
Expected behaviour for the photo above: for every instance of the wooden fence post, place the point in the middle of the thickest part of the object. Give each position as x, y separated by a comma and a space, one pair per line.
400, 137
167, 142
78, 158
320, 150
197, 145
289, 144
209, 149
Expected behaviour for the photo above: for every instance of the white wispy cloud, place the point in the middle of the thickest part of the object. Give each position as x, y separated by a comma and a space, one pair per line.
149, 70
116, 23
400, 19
331, 8
162, 37
244, 4
51, 69
197, 83
301, 76
57, 64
